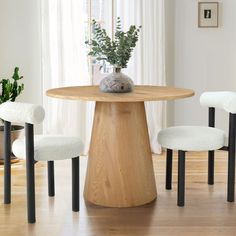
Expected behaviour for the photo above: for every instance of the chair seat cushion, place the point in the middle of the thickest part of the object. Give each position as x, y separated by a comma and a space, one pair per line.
191, 138
49, 148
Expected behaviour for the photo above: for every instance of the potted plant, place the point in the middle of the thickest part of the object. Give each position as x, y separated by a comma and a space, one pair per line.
117, 52
10, 91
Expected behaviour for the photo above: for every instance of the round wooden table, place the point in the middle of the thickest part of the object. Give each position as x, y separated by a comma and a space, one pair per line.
120, 169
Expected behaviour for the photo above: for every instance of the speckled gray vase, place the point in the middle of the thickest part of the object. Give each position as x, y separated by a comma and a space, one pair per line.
116, 82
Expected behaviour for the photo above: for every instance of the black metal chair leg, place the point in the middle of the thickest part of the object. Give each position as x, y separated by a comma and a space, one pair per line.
231, 177
231, 159
75, 184
169, 154
51, 181
7, 162
211, 155
29, 133
211, 123
181, 178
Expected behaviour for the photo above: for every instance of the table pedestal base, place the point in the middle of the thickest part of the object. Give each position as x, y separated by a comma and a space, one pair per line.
120, 169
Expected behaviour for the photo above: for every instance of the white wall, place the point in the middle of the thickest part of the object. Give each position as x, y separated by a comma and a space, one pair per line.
201, 59
204, 59
20, 45
170, 50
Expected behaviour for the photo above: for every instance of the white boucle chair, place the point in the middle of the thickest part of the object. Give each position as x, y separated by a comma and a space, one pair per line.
35, 148
197, 138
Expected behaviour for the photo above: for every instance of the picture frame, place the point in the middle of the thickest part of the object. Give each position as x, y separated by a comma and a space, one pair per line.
208, 14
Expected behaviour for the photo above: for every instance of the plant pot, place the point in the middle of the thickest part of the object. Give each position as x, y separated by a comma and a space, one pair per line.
116, 82
16, 132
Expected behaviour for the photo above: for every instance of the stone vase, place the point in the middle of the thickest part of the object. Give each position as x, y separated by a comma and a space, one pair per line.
116, 82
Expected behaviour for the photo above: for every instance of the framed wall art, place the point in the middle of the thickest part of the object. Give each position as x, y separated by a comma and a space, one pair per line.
208, 14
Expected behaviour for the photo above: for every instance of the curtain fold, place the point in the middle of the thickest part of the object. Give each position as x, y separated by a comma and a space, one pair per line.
64, 63
147, 65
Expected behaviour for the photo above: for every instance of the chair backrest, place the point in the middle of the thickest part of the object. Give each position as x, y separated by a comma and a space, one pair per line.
22, 112
225, 100
221, 99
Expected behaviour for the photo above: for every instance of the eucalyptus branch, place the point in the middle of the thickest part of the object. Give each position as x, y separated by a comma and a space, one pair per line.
118, 51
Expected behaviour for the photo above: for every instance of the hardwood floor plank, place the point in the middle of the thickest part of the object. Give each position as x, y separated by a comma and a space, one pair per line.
206, 210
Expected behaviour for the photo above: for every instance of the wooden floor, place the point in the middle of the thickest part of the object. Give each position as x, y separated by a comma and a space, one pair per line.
206, 211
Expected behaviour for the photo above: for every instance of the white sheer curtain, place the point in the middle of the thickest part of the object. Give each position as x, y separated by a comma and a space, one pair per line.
147, 65
64, 63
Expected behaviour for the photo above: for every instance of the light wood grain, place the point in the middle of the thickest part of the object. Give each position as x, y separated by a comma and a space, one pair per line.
120, 156
140, 93
120, 171
206, 211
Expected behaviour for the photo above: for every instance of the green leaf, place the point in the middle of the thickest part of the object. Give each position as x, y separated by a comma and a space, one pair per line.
117, 52
11, 90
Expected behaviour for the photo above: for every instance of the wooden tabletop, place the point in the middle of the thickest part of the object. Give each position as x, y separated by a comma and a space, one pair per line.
140, 93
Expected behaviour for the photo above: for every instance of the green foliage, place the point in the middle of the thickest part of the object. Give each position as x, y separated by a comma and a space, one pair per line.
10, 89
118, 51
